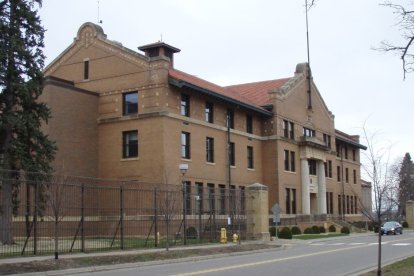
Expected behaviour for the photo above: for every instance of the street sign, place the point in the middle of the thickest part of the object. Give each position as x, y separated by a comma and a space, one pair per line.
276, 213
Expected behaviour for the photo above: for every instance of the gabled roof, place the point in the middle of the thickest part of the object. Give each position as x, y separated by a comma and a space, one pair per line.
181, 79
257, 92
349, 139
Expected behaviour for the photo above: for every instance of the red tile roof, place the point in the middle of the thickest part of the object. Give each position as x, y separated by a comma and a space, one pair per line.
257, 92
181, 76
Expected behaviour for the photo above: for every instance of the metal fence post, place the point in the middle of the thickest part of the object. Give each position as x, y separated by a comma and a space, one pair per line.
36, 208
122, 215
155, 218
82, 218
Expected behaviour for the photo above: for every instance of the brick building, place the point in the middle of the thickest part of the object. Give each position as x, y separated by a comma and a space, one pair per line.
117, 113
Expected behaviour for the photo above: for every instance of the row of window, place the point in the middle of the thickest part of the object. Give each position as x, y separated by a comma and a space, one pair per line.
289, 132
209, 113
130, 148
350, 205
210, 199
186, 150
347, 204
338, 175
342, 150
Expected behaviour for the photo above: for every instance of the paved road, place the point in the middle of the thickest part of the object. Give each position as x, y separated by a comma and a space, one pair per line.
341, 256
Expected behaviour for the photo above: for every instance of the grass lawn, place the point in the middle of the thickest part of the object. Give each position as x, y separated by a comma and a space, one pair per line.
317, 236
401, 268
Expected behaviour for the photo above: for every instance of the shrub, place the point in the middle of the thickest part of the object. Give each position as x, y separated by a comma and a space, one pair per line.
308, 231
345, 230
315, 229
370, 227
285, 233
272, 231
332, 228
405, 224
191, 233
376, 228
322, 229
296, 230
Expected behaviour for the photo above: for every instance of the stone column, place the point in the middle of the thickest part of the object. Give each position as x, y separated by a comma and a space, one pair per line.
321, 188
257, 212
305, 186
409, 213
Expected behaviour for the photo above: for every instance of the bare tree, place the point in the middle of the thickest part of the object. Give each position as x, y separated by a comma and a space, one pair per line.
405, 23
382, 174
56, 190
169, 206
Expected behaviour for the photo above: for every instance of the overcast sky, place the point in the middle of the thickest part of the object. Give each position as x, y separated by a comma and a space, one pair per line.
236, 41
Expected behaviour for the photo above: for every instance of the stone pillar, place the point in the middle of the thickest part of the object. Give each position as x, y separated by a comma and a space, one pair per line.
321, 188
305, 186
409, 213
257, 212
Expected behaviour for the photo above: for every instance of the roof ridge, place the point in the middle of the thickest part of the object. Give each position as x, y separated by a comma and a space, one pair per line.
257, 82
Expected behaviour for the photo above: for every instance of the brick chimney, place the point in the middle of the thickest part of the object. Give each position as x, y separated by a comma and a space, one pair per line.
158, 49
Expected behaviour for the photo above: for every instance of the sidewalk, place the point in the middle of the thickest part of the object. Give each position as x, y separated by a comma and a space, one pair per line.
281, 242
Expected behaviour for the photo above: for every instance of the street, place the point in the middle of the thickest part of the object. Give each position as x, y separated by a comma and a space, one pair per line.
340, 256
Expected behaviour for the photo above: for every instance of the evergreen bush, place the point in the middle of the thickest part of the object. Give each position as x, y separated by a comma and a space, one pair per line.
332, 228
322, 229
345, 230
308, 231
405, 224
285, 233
296, 230
315, 229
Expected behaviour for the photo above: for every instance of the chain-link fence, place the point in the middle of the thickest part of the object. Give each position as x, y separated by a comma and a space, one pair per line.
60, 214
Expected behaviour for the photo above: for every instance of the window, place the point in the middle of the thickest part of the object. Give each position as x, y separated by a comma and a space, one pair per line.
185, 145
347, 204
346, 175
328, 169
292, 161
232, 197
185, 105
285, 129
288, 129
249, 123
353, 155
289, 160
222, 199
338, 173
356, 205
86, 69
250, 157
290, 201
286, 159
312, 166
130, 103
188, 197
346, 152
327, 140
199, 199
329, 202
130, 144
308, 132
211, 197
209, 112
355, 176
339, 204
210, 150
338, 150
232, 154
230, 118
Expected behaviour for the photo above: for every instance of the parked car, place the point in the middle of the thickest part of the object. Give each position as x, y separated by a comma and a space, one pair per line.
391, 227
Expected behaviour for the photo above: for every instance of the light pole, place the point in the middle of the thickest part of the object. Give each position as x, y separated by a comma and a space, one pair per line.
183, 169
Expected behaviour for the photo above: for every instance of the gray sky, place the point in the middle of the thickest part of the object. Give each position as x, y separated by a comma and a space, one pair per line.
236, 41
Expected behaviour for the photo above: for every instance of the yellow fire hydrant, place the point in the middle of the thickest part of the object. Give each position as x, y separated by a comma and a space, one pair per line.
223, 235
235, 238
